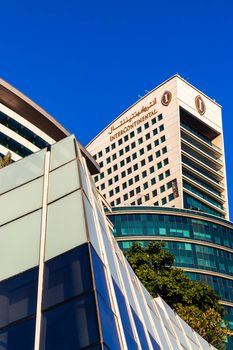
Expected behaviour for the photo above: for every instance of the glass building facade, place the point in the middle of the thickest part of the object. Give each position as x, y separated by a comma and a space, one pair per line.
202, 244
64, 282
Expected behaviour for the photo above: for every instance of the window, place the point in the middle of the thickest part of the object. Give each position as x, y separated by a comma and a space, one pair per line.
159, 165
110, 182
114, 156
100, 154
115, 167
156, 143
165, 162
139, 130
145, 185
128, 159
161, 128
132, 134
164, 200
163, 139
147, 197
133, 145
155, 131
101, 164
153, 181
121, 152
171, 197
136, 179
162, 189
131, 193
122, 162
120, 142
147, 136
146, 126
108, 160
129, 171
167, 173
139, 201
123, 174
141, 151
109, 171
138, 189
169, 185
161, 177
160, 117
157, 154
164, 150
127, 149
133, 203
102, 186
111, 193
150, 158
154, 193
116, 178
149, 147
113, 146
126, 138
107, 149
134, 155
140, 140
143, 162
153, 121
144, 173
130, 182
156, 203
125, 197
96, 178
152, 169
117, 189
135, 167
118, 201
124, 185
95, 157
112, 203
102, 175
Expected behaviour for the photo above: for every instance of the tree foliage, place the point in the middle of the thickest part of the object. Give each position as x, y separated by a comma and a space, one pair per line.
5, 160
196, 302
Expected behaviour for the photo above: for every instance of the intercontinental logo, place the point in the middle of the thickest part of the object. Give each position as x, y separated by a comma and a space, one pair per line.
200, 105
166, 98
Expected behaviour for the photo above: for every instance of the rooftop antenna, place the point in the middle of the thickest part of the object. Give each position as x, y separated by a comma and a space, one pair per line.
139, 96
146, 91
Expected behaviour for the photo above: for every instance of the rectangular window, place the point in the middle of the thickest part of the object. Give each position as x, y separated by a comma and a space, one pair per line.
160, 117
161, 176
143, 162
157, 154
136, 179
114, 156
120, 142
156, 203
144, 173
134, 155
139, 130
96, 178
109, 171
115, 167
171, 197
126, 138
110, 182
152, 169
101, 164
122, 162
133, 145
95, 157
163, 139
116, 178
156, 143
153, 121
124, 185
135, 167
161, 128
113, 146
131, 193
125, 197
147, 136
164, 150
111, 193
147, 197
117, 189
127, 149
162, 189
141, 151
112, 204
146, 126
155, 132
118, 201
150, 158
102, 186
140, 140
149, 147
100, 154
102, 175
123, 174
165, 162
164, 200
145, 185
154, 193
167, 173
153, 181
169, 185
129, 171
107, 149
138, 189
132, 134
128, 159
139, 201
108, 160
130, 182
159, 165
121, 152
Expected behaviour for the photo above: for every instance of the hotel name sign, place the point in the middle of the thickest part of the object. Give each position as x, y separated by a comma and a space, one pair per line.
136, 122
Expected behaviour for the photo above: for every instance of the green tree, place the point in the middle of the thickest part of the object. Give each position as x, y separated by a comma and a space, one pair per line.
196, 302
5, 160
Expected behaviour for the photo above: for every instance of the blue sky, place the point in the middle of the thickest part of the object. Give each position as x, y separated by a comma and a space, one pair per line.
86, 61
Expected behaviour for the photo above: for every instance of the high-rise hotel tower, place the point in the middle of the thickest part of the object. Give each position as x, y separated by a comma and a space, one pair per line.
165, 150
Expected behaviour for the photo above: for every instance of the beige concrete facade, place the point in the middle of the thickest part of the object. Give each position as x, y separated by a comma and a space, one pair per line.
166, 150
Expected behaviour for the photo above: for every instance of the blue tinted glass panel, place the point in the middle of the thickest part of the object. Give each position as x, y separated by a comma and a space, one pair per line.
123, 309
132, 345
141, 332
18, 337
154, 343
108, 325
18, 297
70, 326
100, 277
66, 276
